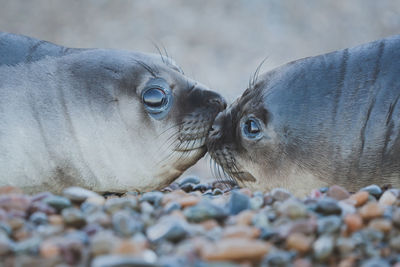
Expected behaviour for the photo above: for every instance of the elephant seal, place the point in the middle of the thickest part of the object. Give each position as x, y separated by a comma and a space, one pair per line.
107, 120
317, 121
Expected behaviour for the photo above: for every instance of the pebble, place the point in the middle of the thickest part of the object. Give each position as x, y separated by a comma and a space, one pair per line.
353, 222
374, 190
235, 249
188, 187
383, 225
345, 245
205, 210
170, 229
376, 262
124, 224
118, 261
387, 198
359, 198
323, 247
58, 202
337, 192
238, 202
114, 204
49, 249
328, 206
79, 194
5, 244
396, 217
293, 208
188, 201
14, 202
102, 243
280, 194
241, 231
371, 210
395, 243
224, 227
38, 218
28, 246
329, 224
152, 197
73, 217
277, 258
189, 180
299, 242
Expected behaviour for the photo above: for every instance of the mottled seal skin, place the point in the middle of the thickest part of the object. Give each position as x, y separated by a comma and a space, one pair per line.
317, 121
107, 120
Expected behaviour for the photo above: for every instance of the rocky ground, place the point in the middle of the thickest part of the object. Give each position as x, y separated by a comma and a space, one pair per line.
195, 224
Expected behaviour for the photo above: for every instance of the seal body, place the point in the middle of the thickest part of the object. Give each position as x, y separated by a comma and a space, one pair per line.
329, 119
107, 120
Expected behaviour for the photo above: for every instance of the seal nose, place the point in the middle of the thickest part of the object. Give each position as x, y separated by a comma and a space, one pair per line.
217, 100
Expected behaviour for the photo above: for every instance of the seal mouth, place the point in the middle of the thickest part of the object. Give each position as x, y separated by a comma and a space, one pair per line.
225, 166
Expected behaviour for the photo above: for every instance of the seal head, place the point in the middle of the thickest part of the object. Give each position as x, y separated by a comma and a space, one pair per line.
108, 120
329, 119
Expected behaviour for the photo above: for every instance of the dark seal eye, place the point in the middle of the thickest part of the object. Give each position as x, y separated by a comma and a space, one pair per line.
157, 98
251, 128
154, 97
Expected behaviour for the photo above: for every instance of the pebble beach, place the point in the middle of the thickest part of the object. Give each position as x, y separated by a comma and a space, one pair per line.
201, 224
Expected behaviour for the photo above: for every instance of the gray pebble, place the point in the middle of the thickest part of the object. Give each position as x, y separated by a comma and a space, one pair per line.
5, 244
187, 187
119, 261
376, 262
370, 235
328, 206
189, 180
329, 224
38, 218
58, 202
114, 204
395, 243
345, 245
277, 258
323, 247
293, 208
261, 220
73, 217
78, 194
89, 208
170, 229
152, 197
102, 243
256, 202
171, 206
373, 189
204, 210
27, 246
238, 202
280, 194
124, 224
396, 217
201, 187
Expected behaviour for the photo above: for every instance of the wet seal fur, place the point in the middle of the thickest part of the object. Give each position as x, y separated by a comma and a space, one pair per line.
317, 121
107, 120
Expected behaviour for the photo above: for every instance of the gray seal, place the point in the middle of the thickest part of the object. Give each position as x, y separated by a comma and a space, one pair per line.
107, 120
317, 121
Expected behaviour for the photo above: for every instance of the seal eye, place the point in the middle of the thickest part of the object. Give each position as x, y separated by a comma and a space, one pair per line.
251, 128
154, 97
157, 98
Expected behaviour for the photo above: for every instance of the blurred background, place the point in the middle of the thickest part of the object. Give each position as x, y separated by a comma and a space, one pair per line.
219, 43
